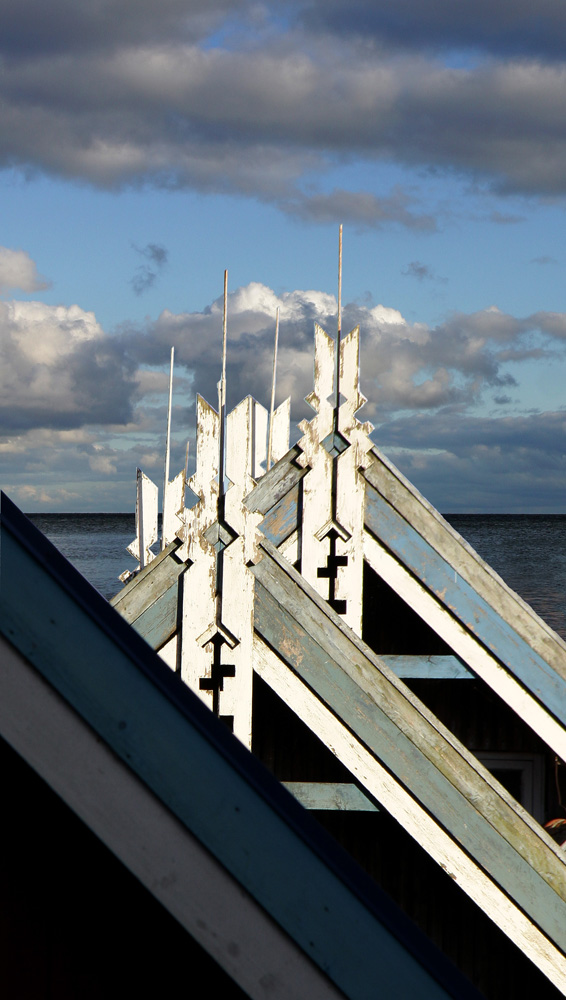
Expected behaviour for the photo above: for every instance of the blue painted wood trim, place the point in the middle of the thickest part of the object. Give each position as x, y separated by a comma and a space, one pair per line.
434, 668
283, 519
206, 778
158, 623
276, 483
474, 613
334, 796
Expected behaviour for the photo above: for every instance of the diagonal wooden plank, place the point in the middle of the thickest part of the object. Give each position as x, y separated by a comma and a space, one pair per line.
396, 489
276, 483
149, 584
479, 616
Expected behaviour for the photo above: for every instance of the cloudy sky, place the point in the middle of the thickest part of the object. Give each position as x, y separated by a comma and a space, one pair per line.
145, 147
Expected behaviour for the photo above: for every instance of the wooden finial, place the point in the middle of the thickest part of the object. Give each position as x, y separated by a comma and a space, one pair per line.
273, 380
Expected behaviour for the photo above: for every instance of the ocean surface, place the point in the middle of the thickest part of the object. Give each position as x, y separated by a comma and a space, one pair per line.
527, 550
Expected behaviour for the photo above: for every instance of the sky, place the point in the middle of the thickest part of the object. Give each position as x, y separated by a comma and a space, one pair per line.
145, 147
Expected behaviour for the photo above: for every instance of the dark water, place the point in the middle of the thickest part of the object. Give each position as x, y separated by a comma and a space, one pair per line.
527, 550
94, 543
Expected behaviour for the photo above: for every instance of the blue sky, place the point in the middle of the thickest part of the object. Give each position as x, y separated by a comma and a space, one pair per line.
144, 148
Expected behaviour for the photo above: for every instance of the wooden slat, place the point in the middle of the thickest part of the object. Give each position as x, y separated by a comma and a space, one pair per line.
473, 611
472, 592
276, 483
149, 584
441, 774
330, 796
282, 520
158, 623
426, 667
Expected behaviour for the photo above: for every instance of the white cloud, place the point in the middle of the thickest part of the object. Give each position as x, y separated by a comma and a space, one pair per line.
19, 272
57, 368
81, 407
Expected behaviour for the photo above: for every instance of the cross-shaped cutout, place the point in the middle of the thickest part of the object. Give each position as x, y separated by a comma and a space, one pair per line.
215, 683
330, 571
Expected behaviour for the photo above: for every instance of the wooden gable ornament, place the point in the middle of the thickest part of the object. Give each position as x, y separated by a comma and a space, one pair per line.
272, 576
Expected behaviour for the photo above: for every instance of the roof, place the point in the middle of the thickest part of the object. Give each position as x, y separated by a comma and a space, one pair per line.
198, 820
274, 575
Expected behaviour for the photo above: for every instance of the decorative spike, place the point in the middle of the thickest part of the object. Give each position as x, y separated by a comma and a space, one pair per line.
166, 513
146, 520
273, 381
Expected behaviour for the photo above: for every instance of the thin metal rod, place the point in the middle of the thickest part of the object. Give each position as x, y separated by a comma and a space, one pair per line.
222, 400
339, 334
221, 457
273, 381
167, 452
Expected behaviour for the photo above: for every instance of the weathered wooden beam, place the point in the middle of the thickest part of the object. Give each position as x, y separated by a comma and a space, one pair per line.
445, 668
329, 796
282, 520
464, 561
159, 622
276, 483
150, 584
399, 745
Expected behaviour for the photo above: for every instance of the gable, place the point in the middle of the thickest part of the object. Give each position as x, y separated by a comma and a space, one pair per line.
186, 807
365, 545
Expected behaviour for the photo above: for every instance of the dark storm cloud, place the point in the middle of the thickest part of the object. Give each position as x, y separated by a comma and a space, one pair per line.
359, 208
33, 27
118, 93
500, 27
59, 369
251, 326
404, 366
466, 463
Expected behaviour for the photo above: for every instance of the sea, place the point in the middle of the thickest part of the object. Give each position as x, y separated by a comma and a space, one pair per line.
527, 550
